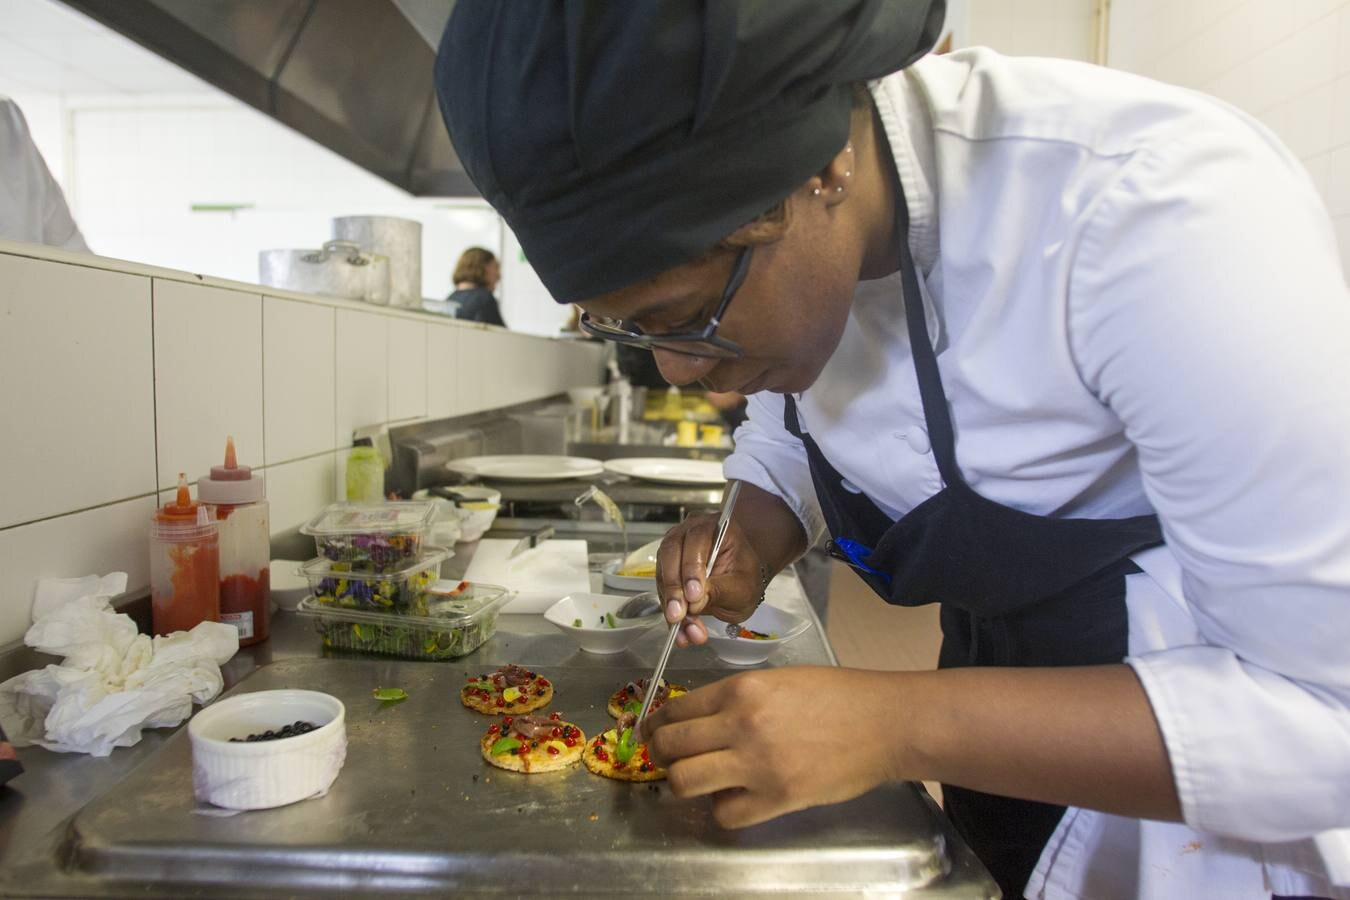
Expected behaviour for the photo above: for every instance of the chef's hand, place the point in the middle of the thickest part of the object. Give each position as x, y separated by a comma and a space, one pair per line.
771, 742
731, 593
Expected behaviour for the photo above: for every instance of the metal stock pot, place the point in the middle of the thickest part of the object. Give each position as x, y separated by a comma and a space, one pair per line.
339, 269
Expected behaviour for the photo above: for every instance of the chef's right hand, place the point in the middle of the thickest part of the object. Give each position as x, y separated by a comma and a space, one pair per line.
734, 589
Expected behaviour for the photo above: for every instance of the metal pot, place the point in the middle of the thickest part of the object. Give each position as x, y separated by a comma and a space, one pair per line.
398, 239
340, 269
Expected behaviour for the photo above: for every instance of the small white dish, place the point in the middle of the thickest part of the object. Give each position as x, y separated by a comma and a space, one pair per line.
593, 635
285, 583
752, 651
612, 579
265, 774
476, 509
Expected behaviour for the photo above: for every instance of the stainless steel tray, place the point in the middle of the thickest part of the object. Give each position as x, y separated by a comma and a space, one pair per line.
416, 809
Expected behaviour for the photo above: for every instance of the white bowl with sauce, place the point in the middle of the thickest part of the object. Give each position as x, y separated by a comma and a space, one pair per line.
750, 651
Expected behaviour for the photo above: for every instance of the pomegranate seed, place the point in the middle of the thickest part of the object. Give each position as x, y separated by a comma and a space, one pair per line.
501, 702
552, 751
557, 732
493, 728
555, 716
523, 749
571, 742
507, 721
602, 755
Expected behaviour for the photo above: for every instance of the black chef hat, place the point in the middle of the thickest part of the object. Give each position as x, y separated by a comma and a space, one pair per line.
620, 139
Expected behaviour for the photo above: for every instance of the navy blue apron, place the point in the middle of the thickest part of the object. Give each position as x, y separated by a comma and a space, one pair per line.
1016, 589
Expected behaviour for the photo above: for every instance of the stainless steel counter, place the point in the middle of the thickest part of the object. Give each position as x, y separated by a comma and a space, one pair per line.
75, 826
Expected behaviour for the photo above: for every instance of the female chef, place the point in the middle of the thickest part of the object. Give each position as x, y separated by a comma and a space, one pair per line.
1064, 350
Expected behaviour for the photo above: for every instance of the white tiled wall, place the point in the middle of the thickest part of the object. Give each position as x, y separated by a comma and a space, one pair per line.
1285, 61
114, 377
77, 403
362, 371
208, 376
407, 370
1061, 28
298, 379
112, 538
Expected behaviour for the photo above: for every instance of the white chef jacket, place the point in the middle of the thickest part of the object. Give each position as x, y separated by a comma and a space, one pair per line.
1139, 307
32, 207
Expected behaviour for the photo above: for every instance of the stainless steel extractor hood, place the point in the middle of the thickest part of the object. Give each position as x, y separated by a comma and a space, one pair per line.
354, 75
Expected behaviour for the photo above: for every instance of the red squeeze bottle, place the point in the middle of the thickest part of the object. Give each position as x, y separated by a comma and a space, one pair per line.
238, 497
184, 564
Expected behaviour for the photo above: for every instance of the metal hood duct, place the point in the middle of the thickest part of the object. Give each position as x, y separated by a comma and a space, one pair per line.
353, 75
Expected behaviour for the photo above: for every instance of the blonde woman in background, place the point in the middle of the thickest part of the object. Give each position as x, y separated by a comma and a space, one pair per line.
476, 277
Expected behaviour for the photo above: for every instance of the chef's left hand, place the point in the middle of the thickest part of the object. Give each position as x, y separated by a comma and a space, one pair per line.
774, 741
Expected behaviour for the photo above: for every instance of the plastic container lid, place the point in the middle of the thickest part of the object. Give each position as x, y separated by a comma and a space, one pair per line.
371, 518
182, 521
231, 484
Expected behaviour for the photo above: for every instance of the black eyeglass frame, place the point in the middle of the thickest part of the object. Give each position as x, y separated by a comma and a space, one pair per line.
626, 331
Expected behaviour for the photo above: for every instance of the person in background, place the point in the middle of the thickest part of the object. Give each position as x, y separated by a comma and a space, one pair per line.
32, 207
476, 277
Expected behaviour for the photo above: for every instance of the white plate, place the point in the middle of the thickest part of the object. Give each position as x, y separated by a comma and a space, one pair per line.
668, 470
524, 467
610, 572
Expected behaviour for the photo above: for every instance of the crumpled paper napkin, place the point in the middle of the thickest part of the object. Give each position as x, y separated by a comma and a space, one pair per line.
113, 682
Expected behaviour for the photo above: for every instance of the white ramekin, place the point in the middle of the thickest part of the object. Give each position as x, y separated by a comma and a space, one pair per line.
263, 774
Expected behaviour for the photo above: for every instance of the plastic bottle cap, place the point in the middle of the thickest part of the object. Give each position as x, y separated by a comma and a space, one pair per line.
182, 520
231, 484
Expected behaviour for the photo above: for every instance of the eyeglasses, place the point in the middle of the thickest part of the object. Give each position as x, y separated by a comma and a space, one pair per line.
704, 342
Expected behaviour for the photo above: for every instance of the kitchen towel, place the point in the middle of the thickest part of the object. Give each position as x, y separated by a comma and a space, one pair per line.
538, 577
112, 682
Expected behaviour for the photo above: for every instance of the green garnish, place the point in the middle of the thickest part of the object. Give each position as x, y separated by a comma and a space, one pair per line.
504, 745
576, 623
390, 695
626, 746
483, 685
609, 620
633, 706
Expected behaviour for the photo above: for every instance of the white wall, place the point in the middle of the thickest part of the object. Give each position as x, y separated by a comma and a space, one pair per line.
141, 175
117, 377
1285, 61
1061, 28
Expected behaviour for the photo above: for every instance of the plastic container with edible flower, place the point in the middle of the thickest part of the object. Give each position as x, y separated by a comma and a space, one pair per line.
453, 626
400, 591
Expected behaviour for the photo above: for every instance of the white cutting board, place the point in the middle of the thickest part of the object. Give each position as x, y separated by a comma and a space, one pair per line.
539, 577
